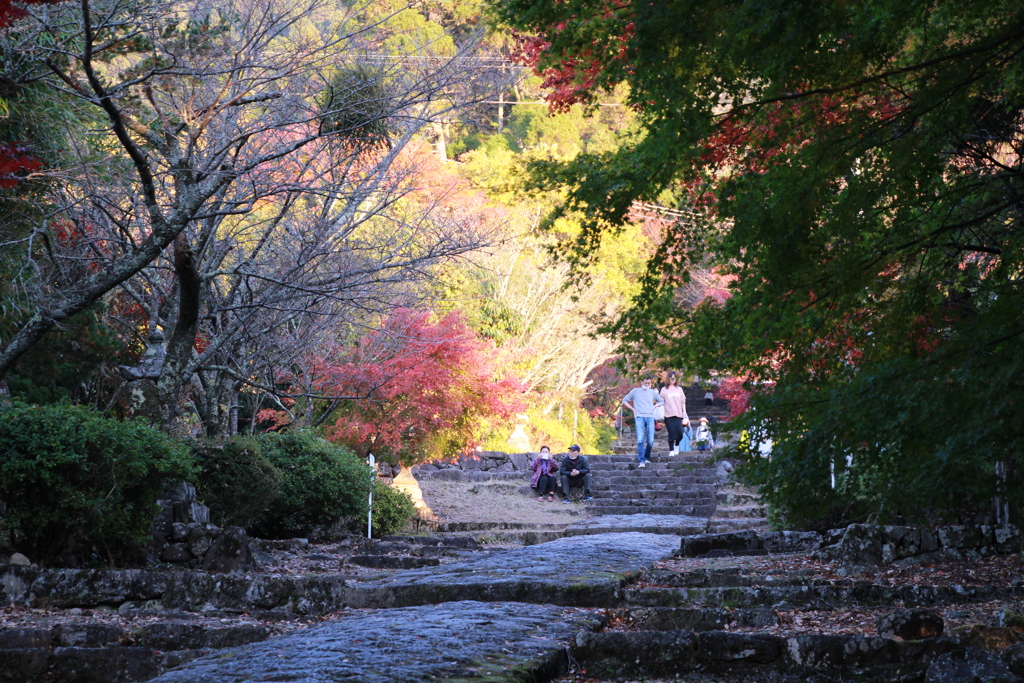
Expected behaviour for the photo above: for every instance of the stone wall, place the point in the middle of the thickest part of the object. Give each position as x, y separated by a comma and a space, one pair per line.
481, 466
869, 544
129, 590
182, 534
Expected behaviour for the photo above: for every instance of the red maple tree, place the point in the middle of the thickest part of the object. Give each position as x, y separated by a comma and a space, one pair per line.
423, 379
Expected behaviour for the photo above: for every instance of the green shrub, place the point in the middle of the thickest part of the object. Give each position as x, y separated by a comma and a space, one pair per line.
392, 509
237, 481
75, 482
321, 483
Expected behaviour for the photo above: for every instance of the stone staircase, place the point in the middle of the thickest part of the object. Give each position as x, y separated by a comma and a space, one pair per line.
687, 484
739, 508
682, 485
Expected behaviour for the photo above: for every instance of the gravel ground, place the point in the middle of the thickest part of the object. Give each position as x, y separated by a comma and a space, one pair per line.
495, 502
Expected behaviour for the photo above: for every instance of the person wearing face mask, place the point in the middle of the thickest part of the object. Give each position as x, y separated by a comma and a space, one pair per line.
641, 400
544, 468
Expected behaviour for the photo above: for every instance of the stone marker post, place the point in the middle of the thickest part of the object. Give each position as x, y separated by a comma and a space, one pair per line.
369, 512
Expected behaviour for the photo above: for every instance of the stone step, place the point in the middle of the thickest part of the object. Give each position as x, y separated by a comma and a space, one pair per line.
659, 454
652, 492
673, 464
686, 510
745, 512
600, 502
690, 497
652, 465
713, 654
737, 498
393, 561
640, 481
723, 525
654, 483
825, 595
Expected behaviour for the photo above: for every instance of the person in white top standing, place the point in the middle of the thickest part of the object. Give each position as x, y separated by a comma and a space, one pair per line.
675, 411
641, 400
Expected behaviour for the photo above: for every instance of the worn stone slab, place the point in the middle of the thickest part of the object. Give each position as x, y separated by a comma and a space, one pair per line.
461, 641
582, 571
642, 654
180, 590
825, 596
679, 525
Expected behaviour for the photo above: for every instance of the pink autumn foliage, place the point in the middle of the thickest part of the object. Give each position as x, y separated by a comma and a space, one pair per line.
419, 375
734, 390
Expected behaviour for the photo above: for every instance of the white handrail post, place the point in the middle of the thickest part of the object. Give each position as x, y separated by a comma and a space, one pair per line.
369, 513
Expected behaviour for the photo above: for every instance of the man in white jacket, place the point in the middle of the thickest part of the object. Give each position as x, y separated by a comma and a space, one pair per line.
641, 400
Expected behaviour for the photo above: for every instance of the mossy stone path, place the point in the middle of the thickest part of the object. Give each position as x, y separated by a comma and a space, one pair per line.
460, 641
506, 616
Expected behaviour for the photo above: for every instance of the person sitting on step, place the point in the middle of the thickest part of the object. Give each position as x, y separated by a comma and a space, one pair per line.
544, 480
575, 472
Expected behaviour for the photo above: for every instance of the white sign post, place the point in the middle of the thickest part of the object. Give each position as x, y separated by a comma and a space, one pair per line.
369, 514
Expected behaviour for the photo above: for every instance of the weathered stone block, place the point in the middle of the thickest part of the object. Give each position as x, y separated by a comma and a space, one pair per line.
637, 653
755, 617
470, 462
693, 546
929, 541
888, 553
1013, 657
960, 537
861, 545
520, 461
448, 475
103, 664
911, 624
863, 652
171, 635
816, 651
20, 638
23, 664
719, 646
88, 635
791, 541
194, 512
199, 539
967, 666
19, 560
175, 552
229, 552
181, 490
1006, 539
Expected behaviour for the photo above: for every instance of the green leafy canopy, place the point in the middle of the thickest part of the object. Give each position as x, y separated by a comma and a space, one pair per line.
855, 170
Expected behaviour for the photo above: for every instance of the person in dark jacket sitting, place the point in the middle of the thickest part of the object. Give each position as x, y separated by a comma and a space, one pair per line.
575, 472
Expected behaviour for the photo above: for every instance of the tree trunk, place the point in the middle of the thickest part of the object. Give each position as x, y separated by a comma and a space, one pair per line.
440, 146
183, 338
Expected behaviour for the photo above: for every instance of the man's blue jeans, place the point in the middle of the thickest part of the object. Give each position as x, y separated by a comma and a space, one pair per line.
644, 437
